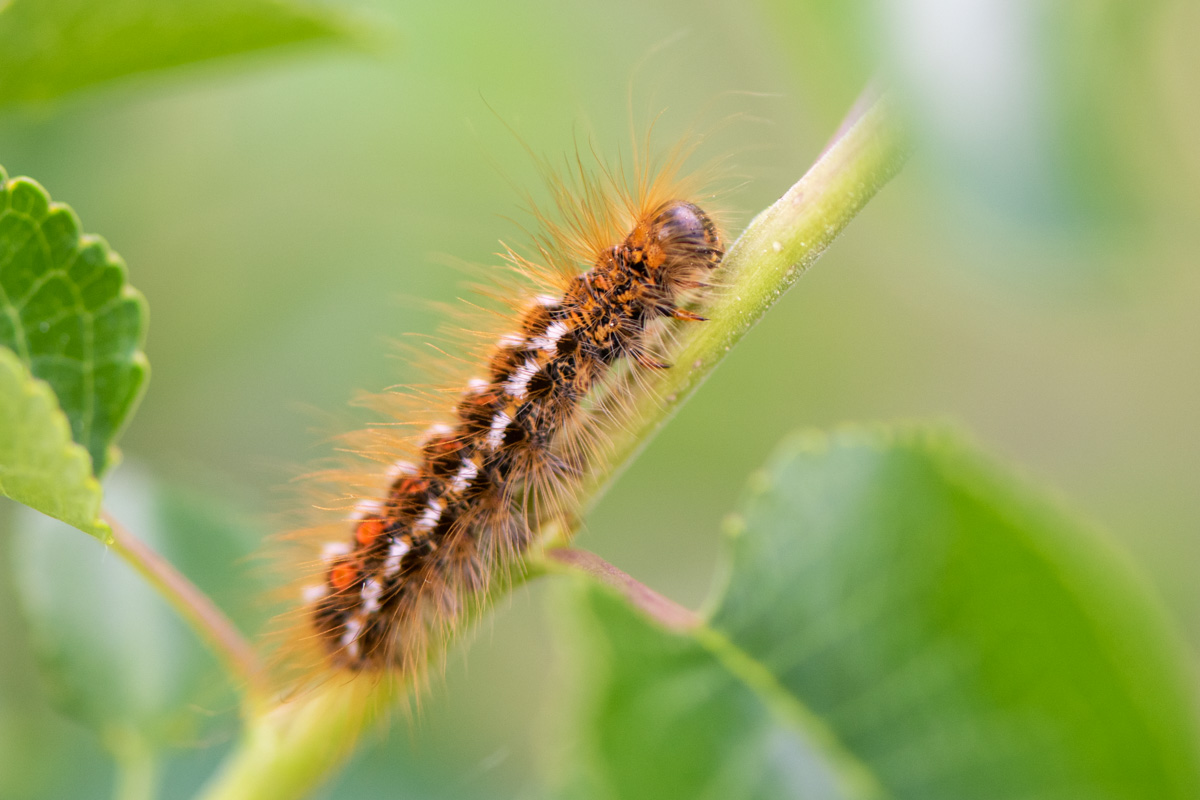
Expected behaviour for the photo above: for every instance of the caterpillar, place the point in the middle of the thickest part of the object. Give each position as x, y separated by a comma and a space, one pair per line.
465, 503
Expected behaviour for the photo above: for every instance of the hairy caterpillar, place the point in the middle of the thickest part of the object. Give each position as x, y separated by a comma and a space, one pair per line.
465, 500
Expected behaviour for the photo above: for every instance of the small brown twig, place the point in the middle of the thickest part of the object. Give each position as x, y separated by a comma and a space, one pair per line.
666, 611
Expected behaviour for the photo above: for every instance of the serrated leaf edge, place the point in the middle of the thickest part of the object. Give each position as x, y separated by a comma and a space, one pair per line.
139, 363
77, 456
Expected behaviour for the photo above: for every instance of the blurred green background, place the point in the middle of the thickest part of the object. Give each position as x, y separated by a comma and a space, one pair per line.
1032, 276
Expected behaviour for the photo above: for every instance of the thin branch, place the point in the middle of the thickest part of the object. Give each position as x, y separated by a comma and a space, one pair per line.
287, 752
664, 610
193, 605
776, 248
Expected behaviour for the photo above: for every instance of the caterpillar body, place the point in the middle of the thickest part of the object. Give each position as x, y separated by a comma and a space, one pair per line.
464, 505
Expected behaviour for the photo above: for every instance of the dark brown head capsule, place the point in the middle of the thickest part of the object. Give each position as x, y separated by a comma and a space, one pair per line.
686, 233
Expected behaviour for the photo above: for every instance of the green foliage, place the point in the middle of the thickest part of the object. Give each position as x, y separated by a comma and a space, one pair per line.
665, 716
113, 654
900, 619
39, 464
67, 311
51, 47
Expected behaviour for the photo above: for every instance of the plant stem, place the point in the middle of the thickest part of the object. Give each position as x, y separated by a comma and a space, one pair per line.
777, 247
665, 611
194, 606
137, 765
287, 752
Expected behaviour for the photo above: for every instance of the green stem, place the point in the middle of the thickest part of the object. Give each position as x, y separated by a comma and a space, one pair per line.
776, 248
286, 752
137, 766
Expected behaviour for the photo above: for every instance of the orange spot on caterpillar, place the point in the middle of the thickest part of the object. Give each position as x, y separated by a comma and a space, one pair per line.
343, 575
368, 531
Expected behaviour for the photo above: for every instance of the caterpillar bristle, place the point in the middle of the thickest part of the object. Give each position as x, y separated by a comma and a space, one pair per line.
441, 501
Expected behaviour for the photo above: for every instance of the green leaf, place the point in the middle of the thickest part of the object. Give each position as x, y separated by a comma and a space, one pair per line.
665, 716
39, 464
67, 311
929, 626
112, 652
49, 48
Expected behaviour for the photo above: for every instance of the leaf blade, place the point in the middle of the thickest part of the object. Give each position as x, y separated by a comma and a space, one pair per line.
927, 564
951, 630
733, 745
40, 465
50, 48
70, 314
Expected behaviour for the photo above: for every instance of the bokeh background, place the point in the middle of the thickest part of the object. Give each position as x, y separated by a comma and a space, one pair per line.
1032, 276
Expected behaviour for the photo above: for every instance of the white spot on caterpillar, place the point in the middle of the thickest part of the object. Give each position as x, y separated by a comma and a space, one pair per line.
400, 469
370, 595
477, 386
367, 508
466, 473
429, 518
495, 435
313, 592
435, 432
548, 341
350, 636
548, 301
516, 386
333, 550
510, 341
395, 554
